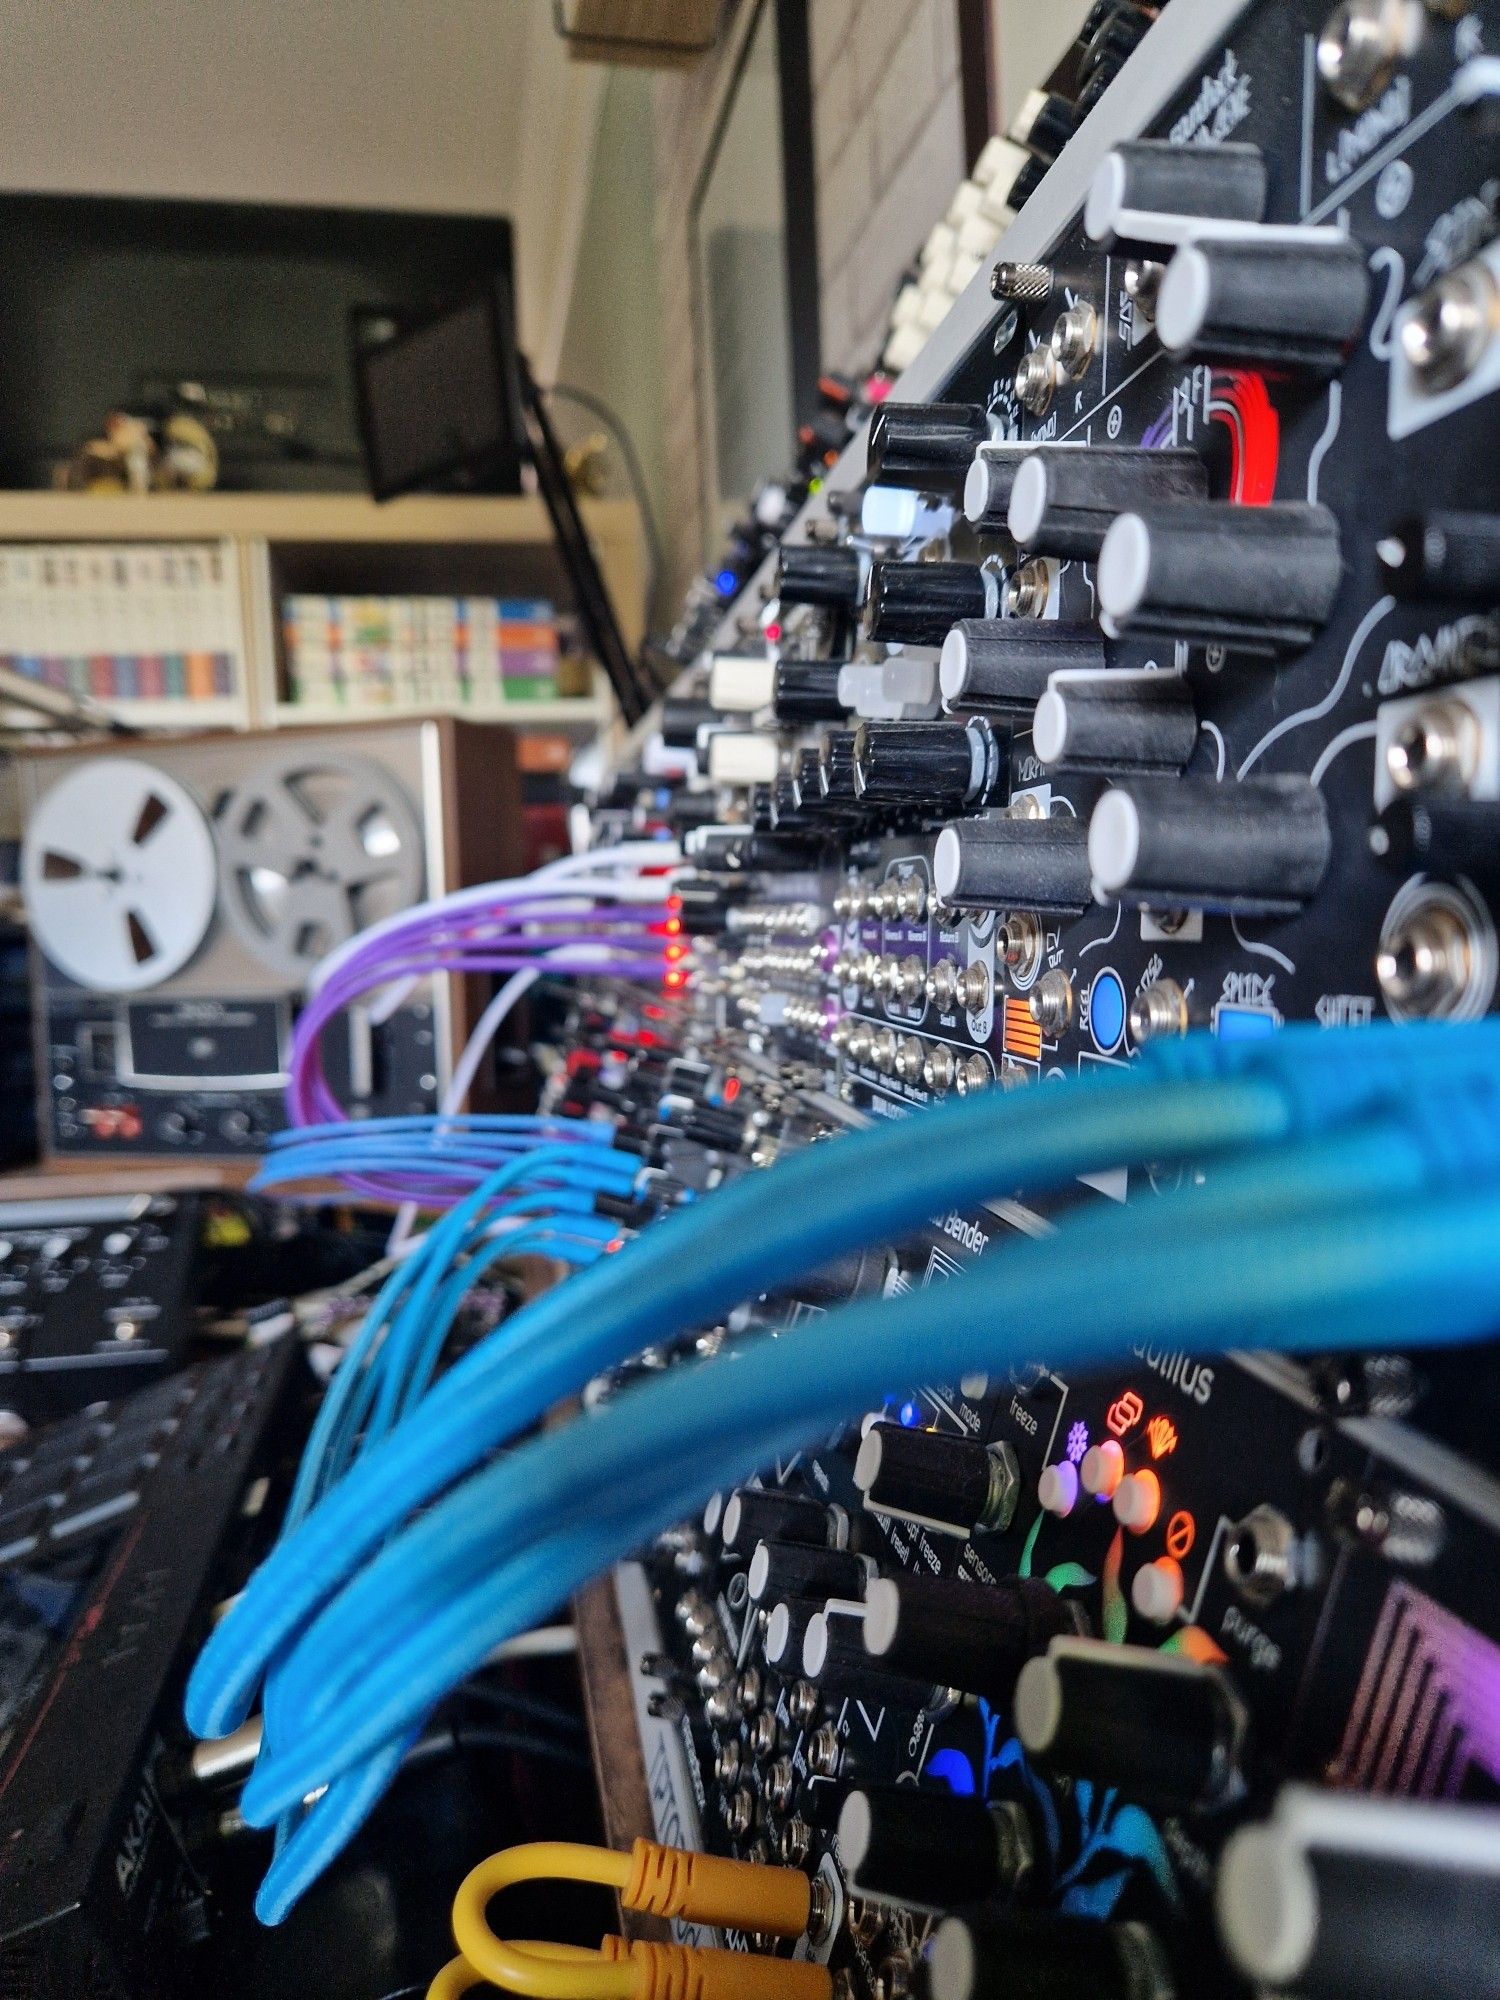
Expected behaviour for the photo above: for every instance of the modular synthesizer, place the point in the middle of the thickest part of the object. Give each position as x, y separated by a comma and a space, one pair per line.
1021, 1121
1137, 670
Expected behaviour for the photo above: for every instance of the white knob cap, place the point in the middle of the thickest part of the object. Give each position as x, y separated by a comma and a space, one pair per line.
1102, 1469
1157, 1590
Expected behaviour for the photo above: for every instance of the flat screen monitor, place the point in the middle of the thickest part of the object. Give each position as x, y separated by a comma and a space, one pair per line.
242, 313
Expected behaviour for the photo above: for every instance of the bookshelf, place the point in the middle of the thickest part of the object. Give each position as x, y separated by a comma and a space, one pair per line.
344, 543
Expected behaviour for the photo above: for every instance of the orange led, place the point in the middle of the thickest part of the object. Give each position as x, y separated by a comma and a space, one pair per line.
1161, 1435
1182, 1532
1125, 1412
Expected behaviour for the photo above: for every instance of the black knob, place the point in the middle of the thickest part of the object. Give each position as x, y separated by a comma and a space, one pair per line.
1004, 664
788, 814
1116, 720
1014, 864
786, 1628
1444, 555
834, 1657
831, 578
1146, 188
681, 721
962, 1635
916, 603
919, 1846
1044, 124
839, 792
1296, 305
702, 905
1259, 847
1166, 1730
1258, 579
988, 484
1025, 184
941, 765
985, 1956
733, 851
927, 446
1294, 1898
948, 1483
781, 1569
811, 778
807, 691
1064, 498
754, 1514
1106, 50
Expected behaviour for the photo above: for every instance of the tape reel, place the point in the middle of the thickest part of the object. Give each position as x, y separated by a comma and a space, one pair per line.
312, 848
119, 875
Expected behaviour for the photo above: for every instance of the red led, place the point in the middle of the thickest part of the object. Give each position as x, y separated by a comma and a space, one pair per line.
773, 633
731, 1090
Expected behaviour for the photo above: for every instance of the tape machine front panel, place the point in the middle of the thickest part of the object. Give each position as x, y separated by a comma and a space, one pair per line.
179, 896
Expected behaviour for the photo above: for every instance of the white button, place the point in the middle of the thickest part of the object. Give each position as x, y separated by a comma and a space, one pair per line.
1102, 1469
56, 1246
1157, 1590
1057, 1489
117, 1242
1138, 1502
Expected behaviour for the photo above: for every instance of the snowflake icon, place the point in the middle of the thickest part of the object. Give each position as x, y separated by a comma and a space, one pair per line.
1078, 1441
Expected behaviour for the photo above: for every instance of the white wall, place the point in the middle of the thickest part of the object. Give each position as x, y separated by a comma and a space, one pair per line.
470, 105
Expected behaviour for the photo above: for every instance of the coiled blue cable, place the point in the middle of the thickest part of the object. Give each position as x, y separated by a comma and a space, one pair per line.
1292, 1286
872, 1187
454, 1544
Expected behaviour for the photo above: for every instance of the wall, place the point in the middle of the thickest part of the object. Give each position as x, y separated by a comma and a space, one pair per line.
611, 343
888, 146
888, 139
889, 153
472, 106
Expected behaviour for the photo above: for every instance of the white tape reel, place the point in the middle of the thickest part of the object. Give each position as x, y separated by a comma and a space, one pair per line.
312, 848
119, 875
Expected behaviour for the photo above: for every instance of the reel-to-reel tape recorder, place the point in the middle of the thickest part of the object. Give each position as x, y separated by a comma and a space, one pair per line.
180, 895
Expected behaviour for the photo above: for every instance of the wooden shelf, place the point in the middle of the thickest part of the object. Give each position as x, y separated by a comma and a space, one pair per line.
344, 543
583, 711
295, 518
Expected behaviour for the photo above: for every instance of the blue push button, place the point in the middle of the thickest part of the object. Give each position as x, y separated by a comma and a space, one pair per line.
1107, 1012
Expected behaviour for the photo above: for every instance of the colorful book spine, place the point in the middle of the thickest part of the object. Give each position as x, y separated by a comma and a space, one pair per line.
129, 622
367, 653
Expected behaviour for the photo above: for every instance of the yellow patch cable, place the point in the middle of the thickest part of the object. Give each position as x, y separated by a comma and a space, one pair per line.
658, 1881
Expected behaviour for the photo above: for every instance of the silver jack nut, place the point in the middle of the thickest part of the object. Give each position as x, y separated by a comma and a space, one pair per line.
1074, 338
1036, 380
1050, 1003
1158, 1010
1437, 747
939, 1069
1451, 326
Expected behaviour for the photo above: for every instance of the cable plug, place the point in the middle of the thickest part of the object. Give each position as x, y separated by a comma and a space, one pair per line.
709, 1889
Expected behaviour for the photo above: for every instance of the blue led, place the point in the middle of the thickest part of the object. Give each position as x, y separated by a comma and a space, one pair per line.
1107, 1012
911, 1416
726, 582
953, 1769
1243, 1024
